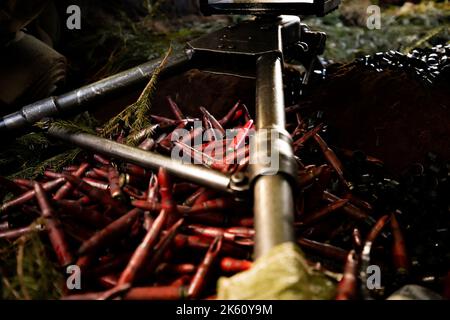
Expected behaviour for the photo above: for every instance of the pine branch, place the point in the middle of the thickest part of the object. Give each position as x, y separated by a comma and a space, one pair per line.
428, 36
27, 269
135, 116
72, 126
55, 163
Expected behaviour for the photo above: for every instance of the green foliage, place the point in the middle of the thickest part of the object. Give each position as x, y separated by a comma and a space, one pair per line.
20, 157
56, 163
401, 29
72, 126
26, 270
30, 155
136, 116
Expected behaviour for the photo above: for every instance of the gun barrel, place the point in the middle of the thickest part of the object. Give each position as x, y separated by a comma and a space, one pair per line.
77, 100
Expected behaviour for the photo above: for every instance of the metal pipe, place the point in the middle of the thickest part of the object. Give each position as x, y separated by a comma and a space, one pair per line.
194, 173
77, 100
273, 197
269, 93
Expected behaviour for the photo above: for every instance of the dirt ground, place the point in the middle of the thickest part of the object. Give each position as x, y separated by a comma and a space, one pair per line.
388, 115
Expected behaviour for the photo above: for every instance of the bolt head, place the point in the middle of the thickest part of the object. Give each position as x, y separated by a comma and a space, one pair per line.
238, 178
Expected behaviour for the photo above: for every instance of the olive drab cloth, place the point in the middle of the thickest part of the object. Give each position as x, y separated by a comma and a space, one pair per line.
16, 14
282, 274
29, 69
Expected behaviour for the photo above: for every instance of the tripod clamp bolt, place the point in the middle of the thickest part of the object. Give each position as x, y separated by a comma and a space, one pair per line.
239, 185
273, 155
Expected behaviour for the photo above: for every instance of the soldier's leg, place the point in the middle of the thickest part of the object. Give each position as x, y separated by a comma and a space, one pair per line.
29, 69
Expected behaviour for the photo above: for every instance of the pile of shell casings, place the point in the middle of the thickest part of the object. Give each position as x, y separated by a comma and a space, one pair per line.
139, 234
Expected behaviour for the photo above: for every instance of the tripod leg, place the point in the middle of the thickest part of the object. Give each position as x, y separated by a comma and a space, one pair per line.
77, 100
194, 173
273, 197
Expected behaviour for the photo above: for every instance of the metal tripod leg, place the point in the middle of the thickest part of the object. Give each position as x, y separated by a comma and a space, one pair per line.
194, 173
273, 197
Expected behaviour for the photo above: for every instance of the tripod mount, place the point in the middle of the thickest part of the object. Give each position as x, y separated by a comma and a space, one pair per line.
256, 48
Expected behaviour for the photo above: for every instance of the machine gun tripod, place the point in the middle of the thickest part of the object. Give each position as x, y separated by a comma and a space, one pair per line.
255, 48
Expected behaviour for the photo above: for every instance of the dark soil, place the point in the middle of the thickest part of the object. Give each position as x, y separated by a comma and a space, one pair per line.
191, 90
387, 115
194, 89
